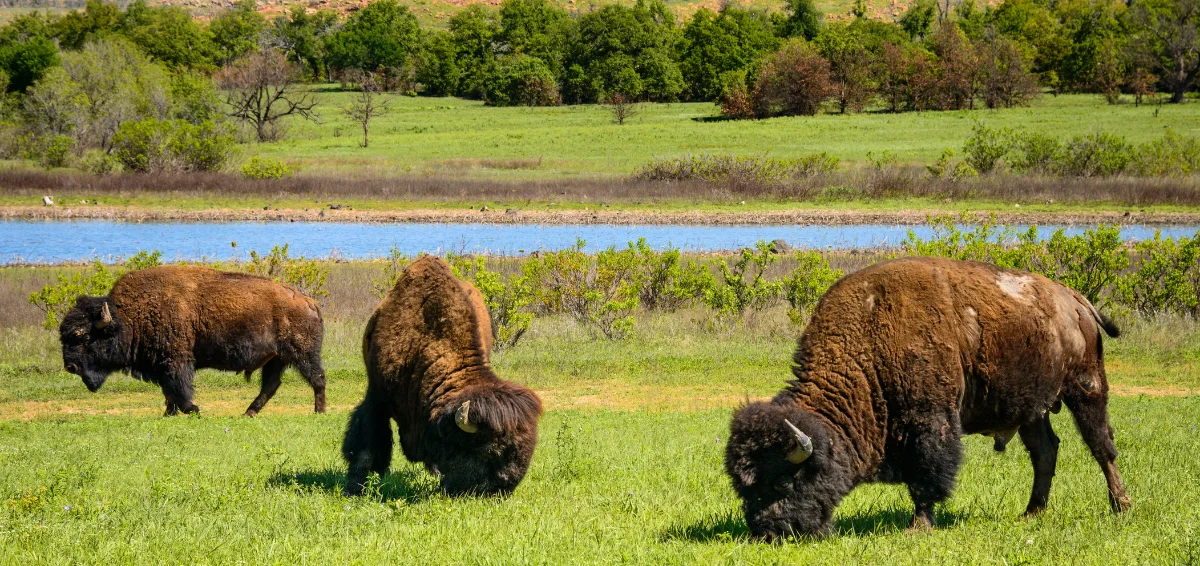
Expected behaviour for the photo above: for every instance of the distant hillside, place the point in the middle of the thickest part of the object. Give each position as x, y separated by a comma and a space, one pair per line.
436, 12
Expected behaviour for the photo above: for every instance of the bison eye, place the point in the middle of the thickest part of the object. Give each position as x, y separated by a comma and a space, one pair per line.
783, 485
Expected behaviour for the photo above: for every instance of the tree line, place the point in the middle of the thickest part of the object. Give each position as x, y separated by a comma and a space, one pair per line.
937, 55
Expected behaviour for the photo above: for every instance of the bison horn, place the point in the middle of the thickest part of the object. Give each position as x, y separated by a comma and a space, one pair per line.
804, 447
462, 418
105, 317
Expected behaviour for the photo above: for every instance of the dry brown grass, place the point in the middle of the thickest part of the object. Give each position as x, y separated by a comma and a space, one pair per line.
853, 184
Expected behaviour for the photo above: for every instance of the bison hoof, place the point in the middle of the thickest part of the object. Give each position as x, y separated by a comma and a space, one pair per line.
250, 412
1120, 503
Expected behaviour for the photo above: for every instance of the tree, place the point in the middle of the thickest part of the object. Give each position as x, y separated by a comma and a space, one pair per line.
537, 28
384, 36
521, 80
1004, 81
235, 31
626, 50
621, 106
1168, 39
919, 18
26, 50
852, 65
794, 81
302, 37
957, 67
803, 19
98, 19
260, 89
168, 34
473, 31
116, 83
714, 44
366, 104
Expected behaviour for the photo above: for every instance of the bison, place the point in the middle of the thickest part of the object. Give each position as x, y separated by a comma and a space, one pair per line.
900, 360
162, 324
426, 352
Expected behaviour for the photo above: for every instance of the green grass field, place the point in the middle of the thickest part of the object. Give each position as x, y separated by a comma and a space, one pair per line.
448, 136
629, 467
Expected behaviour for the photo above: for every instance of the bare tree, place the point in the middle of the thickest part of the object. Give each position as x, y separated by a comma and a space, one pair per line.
261, 88
367, 103
621, 106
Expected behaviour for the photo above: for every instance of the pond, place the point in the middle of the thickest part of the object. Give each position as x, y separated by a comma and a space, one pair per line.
23, 241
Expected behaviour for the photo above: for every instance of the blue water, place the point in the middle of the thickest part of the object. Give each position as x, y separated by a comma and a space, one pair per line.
24, 241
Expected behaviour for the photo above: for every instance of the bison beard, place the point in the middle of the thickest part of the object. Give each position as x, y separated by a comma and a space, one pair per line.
164, 323
900, 360
426, 351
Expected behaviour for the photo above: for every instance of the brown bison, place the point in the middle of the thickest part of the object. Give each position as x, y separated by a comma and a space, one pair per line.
426, 351
900, 360
162, 324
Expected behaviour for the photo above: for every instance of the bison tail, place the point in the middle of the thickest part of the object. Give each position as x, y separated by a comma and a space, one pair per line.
1109, 326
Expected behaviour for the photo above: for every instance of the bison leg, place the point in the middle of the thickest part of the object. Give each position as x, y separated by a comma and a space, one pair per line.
313, 372
1042, 444
272, 375
932, 455
178, 391
1090, 410
368, 444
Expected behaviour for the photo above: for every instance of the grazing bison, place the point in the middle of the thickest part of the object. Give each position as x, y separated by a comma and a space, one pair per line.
900, 360
426, 351
162, 324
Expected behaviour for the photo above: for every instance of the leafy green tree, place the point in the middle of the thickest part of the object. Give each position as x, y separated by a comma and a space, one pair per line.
802, 19
625, 50
537, 28
851, 63
1039, 34
302, 37
1093, 32
384, 35
26, 50
437, 64
235, 31
474, 31
521, 80
919, 19
715, 44
98, 19
168, 34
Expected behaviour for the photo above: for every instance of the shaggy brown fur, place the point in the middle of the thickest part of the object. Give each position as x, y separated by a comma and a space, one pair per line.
169, 321
426, 350
900, 360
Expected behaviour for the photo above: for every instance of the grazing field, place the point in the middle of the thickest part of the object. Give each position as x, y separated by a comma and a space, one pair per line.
448, 136
629, 468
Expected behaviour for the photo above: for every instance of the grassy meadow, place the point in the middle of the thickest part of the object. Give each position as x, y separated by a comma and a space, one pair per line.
448, 136
629, 467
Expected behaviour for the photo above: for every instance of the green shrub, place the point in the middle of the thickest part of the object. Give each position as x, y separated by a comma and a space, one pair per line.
521, 80
807, 283
1171, 156
307, 276
743, 286
1037, 153
1089, 263
737, 169
1167, 277
987, 147
395, 264
262, 168
98, 162
599, 291
943, 166
171, 146
1096, 155
663, 278
986, 241
507, 298
48, 151
55, 300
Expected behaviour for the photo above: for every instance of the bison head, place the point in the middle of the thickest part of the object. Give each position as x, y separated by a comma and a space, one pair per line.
485, 439
89, 340
779, 459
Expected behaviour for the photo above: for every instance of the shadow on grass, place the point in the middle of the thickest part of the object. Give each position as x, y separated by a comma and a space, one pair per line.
408, 485
717, 118
730, 527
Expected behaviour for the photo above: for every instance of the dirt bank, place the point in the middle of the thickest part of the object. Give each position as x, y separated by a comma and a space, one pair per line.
626, 217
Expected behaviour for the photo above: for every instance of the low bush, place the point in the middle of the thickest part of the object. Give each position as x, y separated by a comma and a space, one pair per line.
987, 147
263, 168
507, 298
1096, 155
306, 275
56, 299
742, 286
807, 283
172, 146
601, 291
1167, 277
737, 169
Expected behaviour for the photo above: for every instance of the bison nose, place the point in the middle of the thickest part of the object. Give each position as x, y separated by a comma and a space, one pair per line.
72, 368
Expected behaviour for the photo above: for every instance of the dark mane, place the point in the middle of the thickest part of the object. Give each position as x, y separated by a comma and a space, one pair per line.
503, 405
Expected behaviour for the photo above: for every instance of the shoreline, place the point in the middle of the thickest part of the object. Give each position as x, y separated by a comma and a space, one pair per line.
820, 217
